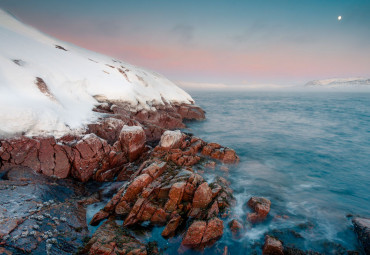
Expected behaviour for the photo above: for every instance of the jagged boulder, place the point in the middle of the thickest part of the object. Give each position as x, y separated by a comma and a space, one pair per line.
132, 139
202, 233
261, 207
272, 246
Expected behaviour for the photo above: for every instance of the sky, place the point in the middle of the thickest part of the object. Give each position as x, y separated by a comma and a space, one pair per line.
233, 42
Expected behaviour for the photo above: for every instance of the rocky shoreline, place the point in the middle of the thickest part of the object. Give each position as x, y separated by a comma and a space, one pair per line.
156, 179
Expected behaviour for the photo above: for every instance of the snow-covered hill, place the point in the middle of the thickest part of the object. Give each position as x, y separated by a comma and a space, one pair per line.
339, 82
50, 87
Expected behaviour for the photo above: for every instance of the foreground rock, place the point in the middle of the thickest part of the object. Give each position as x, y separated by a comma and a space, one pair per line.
272, 246
236, 227
165, 190
261, 207
113, 239
362, 229
38, 214
202, 233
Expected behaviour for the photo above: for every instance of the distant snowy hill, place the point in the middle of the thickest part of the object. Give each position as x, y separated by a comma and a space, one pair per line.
339, 82
50, 87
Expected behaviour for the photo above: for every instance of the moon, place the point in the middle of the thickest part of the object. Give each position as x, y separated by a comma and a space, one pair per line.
339, 18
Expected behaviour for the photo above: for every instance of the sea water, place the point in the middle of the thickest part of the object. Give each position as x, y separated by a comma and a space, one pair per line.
309, 153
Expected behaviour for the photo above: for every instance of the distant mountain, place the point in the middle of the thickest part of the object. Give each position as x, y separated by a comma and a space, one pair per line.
335, 82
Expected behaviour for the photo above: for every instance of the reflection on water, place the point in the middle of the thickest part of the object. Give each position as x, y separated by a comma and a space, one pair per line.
307, 153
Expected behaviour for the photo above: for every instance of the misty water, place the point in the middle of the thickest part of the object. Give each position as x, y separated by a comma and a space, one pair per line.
307, 152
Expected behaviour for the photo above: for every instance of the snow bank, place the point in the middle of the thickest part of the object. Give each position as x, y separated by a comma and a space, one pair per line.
48, 86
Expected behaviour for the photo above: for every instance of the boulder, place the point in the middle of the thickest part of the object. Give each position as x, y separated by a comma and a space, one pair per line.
272, 246
261, 207
362, 229
213, 231
132, 139
171, 139
202, 196
194, 235
236, 227
171, 226
113, 239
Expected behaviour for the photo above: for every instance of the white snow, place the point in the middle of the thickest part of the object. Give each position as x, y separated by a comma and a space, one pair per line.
72, 78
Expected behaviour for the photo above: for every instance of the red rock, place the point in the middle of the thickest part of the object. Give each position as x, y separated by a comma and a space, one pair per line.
230, 156
175, 196
171, 226
147, 211
62, 164
202, 196
188, 192
261, 206
46, 156
98, 217
107, 129
213, 212
272, 246
136, 186
171, 139
132, 139
211, 165
226, 252
159, 217
213, 231
194, 235
156, 169
235, 226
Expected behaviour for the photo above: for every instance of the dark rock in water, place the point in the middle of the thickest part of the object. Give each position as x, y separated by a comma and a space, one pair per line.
111, 238
38, 214
362, 229
295, 251
272, 246
236, 227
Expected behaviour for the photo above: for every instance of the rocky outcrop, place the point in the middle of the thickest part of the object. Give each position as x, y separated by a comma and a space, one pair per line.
261, 207
113, 239
272, 246
163, 192
99, 154
362, 229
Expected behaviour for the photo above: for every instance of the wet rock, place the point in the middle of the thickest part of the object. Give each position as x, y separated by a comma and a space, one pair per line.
171, 139
41, 211
194, 235
261, 207
201, 233
171, 226
175, 196
223, 154
213, 231
98, 217
362, 229
272, 246
236, 227
113, 239
132, 140
202, 196
108, 129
